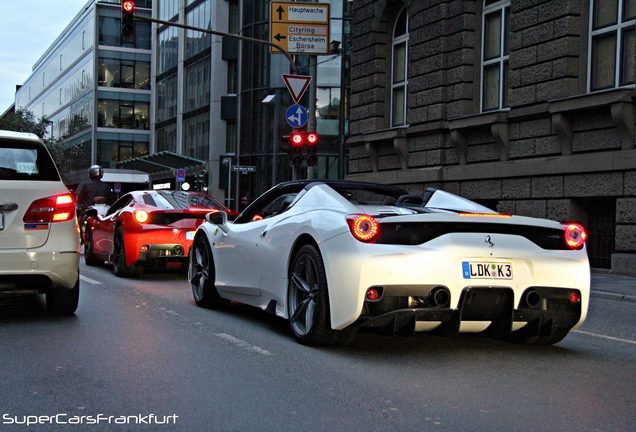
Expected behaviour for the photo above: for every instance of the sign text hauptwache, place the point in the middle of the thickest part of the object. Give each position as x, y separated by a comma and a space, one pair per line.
300, 28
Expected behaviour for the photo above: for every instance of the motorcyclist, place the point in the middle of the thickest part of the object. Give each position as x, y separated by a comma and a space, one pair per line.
94, 191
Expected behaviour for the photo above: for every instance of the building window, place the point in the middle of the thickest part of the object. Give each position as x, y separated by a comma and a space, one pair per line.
399, 69
124, 73
612, 42
84, 40
494, 49
123, 114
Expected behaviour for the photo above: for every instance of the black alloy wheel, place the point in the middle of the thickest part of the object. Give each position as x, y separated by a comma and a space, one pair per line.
201, 274
89, 256
119, 257
308, 301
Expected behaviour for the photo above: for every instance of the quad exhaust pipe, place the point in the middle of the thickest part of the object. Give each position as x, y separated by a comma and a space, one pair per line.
439, 297
533, 299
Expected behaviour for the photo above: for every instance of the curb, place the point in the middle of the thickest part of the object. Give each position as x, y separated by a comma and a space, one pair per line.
612, 296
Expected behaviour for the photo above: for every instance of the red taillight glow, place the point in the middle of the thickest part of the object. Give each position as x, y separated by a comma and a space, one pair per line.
364, 227
575, 297
492, 215
373, 294
56, 208
575, 235
141, 216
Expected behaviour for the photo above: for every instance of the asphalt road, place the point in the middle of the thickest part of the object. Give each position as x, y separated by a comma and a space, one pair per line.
141, 347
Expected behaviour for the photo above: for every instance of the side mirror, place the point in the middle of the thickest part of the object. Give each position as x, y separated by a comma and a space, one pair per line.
217, 217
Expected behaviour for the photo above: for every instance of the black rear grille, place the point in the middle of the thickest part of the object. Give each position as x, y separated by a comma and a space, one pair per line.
170, 218
415, 233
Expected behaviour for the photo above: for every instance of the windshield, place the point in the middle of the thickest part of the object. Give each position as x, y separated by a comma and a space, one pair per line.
172, 200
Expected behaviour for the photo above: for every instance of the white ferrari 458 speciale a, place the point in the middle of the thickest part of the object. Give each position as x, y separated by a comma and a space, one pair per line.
333, 257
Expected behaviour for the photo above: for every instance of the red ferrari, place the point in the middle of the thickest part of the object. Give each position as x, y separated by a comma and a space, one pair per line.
146, 229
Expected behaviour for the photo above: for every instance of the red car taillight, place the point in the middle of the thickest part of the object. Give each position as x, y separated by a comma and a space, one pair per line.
575, 235
56, 208
141, 216
364, 227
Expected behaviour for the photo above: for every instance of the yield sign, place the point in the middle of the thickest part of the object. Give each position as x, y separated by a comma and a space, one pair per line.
297, 85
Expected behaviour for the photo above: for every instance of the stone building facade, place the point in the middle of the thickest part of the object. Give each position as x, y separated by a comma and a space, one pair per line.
526, 106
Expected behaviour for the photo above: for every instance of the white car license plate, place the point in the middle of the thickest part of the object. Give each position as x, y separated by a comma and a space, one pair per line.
190, 235
486, 270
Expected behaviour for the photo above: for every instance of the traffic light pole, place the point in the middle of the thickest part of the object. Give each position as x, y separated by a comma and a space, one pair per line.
292, 68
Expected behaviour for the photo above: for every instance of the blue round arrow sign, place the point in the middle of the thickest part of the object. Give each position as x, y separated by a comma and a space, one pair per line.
296, 116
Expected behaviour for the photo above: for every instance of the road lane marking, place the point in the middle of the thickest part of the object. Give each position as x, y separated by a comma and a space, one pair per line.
241, 343
615, 339
222, 335
89, 280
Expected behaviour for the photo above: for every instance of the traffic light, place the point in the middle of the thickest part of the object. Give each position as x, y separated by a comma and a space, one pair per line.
201, 181
312, 146
127, 23
296, 144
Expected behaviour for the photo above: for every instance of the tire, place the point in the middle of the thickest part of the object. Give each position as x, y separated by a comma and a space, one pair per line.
89, 256
308, 301
119, 257
201, 274
63, 301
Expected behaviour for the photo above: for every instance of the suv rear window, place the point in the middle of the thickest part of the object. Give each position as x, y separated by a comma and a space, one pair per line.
23, 160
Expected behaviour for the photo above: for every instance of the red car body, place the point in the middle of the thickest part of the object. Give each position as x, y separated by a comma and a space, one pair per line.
146, 229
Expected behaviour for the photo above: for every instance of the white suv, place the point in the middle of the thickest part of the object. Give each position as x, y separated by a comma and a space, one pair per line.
39, 234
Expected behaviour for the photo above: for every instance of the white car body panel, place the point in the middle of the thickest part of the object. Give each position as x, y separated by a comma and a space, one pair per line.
252, 259
53, 251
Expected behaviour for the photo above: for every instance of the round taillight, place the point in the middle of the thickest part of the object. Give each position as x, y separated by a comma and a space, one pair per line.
575, 235
575, 297
364, 227
373, 294
141, 216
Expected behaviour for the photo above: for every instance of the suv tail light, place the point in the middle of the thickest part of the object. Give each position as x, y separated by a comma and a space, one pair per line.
56, 208
364, 227
575, 235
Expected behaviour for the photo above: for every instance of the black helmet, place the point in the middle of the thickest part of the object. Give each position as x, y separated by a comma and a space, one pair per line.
95, 172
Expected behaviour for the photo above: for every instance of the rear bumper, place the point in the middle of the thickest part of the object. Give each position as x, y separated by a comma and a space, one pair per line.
33, 270
156, 244
353, 267
480, 309
168, 251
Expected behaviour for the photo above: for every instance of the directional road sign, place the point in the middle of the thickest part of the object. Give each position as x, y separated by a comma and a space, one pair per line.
301, 28
244, 168
296, 116
181, 174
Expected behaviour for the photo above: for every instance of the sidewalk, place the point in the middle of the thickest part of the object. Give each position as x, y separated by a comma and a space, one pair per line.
613, 287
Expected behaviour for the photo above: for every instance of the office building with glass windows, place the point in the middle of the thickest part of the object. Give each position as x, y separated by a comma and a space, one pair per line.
95, 88
194, 82
211, 94
527, 107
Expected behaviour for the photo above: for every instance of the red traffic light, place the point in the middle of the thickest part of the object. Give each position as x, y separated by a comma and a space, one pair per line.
296, 139
128, 6
312, 138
